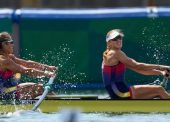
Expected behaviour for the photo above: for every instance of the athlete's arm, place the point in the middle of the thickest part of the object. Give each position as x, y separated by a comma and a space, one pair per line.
150, 72
131, 63
33, 64
16, 68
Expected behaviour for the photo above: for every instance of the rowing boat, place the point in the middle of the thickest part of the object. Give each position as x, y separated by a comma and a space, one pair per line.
89, 104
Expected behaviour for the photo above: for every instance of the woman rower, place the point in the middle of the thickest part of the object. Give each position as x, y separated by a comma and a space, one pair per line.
10, 64
114, 64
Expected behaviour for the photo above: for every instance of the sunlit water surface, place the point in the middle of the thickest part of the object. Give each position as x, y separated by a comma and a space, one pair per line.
29, 116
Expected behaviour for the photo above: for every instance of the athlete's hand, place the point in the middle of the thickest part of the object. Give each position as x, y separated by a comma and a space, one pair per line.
49, 74
164, 67
52, 68
166, 73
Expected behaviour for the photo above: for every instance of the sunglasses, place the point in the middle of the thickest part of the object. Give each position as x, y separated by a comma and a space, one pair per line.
117, 38
10, 42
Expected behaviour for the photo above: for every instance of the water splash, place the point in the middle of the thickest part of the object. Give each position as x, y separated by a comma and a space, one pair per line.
157, 46
19, 113
63, 57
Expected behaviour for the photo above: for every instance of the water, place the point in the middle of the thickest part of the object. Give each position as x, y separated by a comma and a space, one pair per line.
29, 116
156, 44
68, 75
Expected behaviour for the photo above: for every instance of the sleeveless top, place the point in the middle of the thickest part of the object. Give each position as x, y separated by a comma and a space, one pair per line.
6, 79
114, 81
114, 73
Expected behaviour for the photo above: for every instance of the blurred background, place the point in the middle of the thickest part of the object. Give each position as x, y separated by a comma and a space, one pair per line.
70, 34
81, 3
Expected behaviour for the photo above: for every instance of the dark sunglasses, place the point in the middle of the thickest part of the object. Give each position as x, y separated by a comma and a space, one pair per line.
10, 42
117, 38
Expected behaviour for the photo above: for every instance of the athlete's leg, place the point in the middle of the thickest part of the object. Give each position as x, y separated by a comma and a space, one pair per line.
29, 90
149, 92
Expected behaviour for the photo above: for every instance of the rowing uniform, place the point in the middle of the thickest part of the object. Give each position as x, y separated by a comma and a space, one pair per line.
8, 86
114, 81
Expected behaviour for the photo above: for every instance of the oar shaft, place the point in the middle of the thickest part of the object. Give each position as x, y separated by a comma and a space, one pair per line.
44, 94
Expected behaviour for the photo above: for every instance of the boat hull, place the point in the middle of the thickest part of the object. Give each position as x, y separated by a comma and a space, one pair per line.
109, 106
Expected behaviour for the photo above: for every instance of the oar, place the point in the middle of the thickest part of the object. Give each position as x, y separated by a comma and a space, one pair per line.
47, 89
